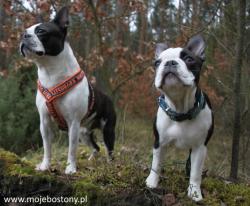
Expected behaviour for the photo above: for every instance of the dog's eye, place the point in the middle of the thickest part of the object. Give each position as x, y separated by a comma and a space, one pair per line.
157, 63
40, 31
189, 59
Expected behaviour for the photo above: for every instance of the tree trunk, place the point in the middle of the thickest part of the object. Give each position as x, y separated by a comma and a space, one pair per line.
179, 17
143, 29
97, 25
237, 88
2, 36
194, 16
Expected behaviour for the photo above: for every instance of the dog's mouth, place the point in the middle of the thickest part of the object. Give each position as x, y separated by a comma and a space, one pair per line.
170, 79
170, 75
26, 49
22, 49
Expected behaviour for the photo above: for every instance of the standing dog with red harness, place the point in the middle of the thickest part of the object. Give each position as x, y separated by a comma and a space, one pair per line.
64, 93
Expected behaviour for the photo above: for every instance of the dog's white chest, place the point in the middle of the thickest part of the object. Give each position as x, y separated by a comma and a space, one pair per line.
185, 134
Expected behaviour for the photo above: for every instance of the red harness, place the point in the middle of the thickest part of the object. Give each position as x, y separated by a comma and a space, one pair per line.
53, 93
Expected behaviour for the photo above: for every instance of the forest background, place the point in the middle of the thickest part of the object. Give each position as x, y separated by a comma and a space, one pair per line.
114, 43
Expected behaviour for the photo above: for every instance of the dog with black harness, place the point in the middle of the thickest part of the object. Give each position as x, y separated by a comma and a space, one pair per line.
64, 93
184, 116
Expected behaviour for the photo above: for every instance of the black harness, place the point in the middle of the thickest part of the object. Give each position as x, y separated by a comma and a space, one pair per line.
199, 104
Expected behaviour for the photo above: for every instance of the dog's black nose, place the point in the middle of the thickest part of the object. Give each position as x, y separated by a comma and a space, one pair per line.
171, 63
26, 35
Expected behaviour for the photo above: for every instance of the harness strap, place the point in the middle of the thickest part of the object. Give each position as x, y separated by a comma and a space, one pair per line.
91, 101
61, 88
53, 93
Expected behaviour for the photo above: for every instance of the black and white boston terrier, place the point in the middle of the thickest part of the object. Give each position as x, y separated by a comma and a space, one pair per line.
64, 93
184, 116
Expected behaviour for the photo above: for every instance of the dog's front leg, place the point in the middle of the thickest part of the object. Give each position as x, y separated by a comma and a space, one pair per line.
73, 143
153, 178
198, 156
47, 136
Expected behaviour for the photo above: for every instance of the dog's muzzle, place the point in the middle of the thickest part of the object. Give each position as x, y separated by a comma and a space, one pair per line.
170, 67
26, 48
28, 45
170, 70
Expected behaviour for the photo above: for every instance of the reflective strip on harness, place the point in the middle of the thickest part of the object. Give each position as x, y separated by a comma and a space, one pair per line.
53, 93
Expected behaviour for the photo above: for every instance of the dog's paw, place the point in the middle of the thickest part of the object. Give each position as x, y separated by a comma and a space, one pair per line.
152, 181
93, 155
43, 166
194, 192
70, 169
110, 158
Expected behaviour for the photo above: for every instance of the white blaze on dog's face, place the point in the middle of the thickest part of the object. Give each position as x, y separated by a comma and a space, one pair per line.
32, 44
46, 38
179, 68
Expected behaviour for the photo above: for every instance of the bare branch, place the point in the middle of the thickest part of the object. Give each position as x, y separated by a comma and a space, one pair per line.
133, 75
21, 4
229, 51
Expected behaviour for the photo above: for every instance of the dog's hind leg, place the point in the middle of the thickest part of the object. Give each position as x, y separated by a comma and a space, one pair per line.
96, 148
109, 137
198, 156
87, 138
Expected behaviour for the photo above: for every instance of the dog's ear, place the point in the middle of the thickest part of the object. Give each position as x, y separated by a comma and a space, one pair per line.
160, 47
197, 46
62, 18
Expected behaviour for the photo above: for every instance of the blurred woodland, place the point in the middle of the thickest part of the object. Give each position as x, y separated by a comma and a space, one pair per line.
114, 42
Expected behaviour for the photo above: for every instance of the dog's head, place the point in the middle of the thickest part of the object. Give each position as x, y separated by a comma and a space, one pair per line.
179, 68
46, 38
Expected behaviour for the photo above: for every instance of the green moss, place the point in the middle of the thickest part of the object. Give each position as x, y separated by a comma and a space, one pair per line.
121, 182
18, 177
229, 193
83, 188
13, 165
177, 183
8, 157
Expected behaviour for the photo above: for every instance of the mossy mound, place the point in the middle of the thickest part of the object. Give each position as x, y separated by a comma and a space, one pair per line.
18, 178
219, 191
118, 183
102, 183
